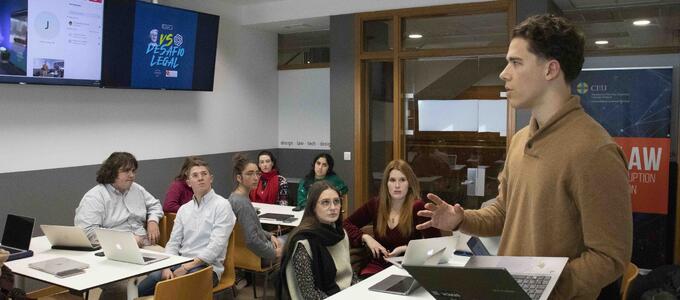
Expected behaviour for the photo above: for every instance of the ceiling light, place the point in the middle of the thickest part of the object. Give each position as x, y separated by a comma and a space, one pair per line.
601, 42
641, 22
415, 36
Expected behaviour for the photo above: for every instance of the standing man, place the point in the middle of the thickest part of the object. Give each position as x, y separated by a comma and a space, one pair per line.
118, 202
564, 187
201, 231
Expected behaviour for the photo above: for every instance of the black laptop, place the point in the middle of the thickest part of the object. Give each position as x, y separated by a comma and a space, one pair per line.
16, 238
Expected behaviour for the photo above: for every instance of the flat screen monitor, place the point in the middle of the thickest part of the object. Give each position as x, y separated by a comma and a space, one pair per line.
51, 41
150, 46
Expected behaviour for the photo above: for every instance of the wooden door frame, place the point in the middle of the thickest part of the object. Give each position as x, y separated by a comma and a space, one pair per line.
397, 56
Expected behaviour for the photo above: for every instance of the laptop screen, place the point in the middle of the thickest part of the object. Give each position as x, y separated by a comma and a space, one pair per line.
18, 232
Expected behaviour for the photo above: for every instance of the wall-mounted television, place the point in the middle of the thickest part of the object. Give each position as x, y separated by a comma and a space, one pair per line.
151, 46
51, 41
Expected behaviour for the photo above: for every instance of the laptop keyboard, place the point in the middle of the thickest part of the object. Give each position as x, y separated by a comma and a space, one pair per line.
534, 285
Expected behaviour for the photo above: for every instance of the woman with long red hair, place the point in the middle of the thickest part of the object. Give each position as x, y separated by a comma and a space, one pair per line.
393, 216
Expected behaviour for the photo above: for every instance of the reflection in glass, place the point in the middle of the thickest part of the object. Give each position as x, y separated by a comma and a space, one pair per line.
379, 86
455, 120
377, 35
455, 32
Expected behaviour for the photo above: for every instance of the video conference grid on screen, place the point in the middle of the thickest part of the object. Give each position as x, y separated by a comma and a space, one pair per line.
51, 41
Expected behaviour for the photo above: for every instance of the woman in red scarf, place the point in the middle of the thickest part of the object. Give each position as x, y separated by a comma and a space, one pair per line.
272, 187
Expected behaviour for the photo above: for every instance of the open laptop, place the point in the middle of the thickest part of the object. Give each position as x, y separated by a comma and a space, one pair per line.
68, 238
122, 246
491, 277
428, 252
16, 239
422, 250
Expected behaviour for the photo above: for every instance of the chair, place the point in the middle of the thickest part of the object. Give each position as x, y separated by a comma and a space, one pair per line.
629, 275
197, 285
249, 261
165, 227
229, 275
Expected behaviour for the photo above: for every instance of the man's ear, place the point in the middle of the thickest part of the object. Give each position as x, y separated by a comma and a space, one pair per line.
552, 69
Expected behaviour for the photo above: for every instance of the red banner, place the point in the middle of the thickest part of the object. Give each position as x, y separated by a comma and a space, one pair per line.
648, 164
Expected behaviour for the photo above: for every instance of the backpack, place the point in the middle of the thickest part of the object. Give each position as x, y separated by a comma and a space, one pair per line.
660, 284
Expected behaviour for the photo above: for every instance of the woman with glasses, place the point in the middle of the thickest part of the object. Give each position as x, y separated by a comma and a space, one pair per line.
272, 187
393, 216
261, 242
316, 264
322, 169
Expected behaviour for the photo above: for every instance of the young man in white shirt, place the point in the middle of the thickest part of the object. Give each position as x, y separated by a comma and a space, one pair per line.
201, 231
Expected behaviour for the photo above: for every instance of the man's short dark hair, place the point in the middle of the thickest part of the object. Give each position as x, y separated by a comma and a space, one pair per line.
117, 160
554, 37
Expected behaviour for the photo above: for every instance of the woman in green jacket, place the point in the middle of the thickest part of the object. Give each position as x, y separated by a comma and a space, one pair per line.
322, 169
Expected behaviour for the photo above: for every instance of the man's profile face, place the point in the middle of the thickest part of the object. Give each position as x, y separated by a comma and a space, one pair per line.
125, 178
524, 75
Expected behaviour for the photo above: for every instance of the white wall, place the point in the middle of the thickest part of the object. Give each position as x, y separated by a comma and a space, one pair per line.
304, 109
44, 127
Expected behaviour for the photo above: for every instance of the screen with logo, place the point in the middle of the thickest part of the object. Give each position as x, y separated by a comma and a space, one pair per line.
158, 47
51, 41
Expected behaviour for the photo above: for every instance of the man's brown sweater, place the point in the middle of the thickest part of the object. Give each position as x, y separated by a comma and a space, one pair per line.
564, 192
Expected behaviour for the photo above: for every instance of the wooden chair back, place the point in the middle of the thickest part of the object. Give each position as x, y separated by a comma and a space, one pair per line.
194, 286
228, 278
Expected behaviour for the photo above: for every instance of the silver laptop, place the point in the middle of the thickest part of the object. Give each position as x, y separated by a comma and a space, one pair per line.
122, 246
491, 277
60, 266
428, 252
68, 238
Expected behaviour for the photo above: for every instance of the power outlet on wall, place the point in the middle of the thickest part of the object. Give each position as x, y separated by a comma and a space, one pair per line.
348, 155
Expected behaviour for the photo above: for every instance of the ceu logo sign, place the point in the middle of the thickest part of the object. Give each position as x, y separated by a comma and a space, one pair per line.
582, 88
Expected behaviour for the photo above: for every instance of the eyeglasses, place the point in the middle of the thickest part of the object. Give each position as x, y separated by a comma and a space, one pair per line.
252, 174
326, 203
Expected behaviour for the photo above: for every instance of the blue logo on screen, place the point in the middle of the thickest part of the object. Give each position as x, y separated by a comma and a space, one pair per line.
164, 47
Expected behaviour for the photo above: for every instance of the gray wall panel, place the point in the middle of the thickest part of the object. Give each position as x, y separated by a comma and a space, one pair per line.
342, 96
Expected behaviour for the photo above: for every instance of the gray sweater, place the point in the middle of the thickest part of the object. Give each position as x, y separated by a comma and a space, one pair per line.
257, 239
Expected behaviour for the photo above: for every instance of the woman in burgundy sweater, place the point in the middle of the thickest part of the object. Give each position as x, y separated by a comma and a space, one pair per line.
179, 192
393, 216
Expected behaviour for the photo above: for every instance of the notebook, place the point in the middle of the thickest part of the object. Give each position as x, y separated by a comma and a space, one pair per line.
68, 238
16, 238
60, 267
122, 246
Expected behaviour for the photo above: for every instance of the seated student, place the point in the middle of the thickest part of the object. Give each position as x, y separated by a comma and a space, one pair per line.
179, 191
117, 202
7, 289
272, 188
316, 263
393, 216
258, 240
201, 231
322, 169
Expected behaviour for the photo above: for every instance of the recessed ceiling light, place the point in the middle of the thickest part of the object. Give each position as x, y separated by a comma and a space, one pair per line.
415, 36
641, 22
601, 42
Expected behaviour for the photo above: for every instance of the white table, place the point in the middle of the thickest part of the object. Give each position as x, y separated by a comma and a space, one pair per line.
360, 290
102, 271
278, 209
